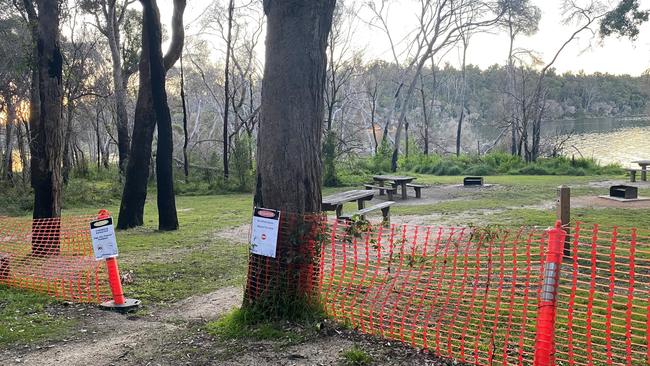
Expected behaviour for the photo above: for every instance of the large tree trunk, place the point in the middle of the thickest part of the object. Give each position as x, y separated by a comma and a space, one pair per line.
289, 141
137, 171
167, 219
134, 195
45, 126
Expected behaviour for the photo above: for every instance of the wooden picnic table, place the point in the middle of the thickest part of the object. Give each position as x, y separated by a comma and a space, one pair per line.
397, 180
335, 201
644, 168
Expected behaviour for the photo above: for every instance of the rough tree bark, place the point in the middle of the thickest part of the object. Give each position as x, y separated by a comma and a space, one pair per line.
291, 123
144, 123
167, 219
45, 122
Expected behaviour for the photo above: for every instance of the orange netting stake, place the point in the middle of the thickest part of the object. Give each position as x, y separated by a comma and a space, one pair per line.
113, 271
119, 302
544, 338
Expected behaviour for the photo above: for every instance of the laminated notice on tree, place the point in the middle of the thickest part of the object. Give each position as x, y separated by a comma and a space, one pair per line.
264, 232
103, 237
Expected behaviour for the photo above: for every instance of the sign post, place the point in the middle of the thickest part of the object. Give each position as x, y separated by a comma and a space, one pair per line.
264, 232
102, 234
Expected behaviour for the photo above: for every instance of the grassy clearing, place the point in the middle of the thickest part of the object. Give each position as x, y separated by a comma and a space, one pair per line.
167, 266
247, 324
170, 266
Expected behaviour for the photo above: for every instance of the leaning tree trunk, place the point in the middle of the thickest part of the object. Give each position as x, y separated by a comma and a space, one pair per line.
289, 140
168, 219
134, 195
137, 171
46, 127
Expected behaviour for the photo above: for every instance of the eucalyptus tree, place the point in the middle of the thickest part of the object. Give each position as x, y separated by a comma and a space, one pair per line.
289, 139
584, 18
121, 27
14, 82
438, 27
148, 110
237, 26
521, 18
624, 19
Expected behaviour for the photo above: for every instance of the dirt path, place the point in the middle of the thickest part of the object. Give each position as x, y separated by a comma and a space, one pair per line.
173, 336
108, 338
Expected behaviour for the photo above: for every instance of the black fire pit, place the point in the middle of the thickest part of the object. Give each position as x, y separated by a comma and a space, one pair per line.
623, 191
472, 181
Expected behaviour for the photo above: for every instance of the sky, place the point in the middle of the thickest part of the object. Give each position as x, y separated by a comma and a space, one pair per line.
612, 55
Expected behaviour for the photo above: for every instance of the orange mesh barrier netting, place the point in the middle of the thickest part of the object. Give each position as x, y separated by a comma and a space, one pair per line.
603, 307
52, 256
295, 267
473, 294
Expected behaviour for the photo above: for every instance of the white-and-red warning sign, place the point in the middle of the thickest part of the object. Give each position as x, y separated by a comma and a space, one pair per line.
103, 238
264, 231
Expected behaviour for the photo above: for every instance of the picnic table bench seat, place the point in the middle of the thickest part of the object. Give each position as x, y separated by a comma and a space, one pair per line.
417, 188
389, 190
633, 172
383, 206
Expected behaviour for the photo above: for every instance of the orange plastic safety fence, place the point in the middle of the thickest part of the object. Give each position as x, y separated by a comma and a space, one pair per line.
52, 256
460, 293
295, 266
473, 294
603, 299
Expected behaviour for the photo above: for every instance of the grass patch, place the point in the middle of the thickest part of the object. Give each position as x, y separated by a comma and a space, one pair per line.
24, 318
356, 356
245, 323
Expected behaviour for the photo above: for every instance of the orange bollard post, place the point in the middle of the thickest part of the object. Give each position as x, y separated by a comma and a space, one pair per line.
545, 334
119, 302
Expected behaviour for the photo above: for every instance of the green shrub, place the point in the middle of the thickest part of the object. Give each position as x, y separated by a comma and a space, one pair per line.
329, 160
482, 169
241, 163
503, 163
15, 200
380, 162
532, 169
